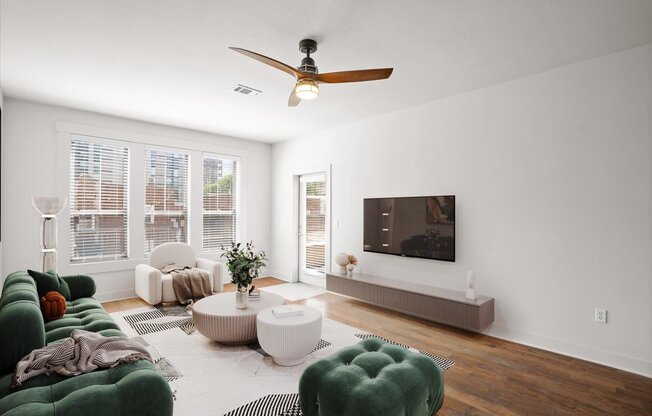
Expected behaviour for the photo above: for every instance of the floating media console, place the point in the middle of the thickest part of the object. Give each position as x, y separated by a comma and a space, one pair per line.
445, 306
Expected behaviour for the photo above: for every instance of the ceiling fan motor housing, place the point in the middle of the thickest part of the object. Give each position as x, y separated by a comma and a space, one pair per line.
308, 46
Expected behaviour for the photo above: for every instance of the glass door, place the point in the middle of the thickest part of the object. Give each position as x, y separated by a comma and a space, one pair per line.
313, 228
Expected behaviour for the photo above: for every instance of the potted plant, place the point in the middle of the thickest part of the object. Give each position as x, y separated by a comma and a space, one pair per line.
244, 265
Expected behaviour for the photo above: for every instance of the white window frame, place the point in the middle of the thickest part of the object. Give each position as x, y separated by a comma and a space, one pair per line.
196, 145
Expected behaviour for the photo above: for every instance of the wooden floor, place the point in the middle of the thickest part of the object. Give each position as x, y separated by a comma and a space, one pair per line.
490, 376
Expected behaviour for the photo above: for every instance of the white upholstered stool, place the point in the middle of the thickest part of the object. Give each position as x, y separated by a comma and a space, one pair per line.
289, 340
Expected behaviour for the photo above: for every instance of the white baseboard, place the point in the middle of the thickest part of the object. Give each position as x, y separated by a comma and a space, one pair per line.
279, 275
583, 352
115, 295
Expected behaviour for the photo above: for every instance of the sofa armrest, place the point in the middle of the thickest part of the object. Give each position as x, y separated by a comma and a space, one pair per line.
148, 284
81, 286
22, 331
215, 268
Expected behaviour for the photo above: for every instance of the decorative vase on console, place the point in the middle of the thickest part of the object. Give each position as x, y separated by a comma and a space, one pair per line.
470, 285
342, 260
244, 266
353, 261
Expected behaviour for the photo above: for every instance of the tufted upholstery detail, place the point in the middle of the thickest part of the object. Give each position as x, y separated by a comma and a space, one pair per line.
372, 377
85, 314
129, 389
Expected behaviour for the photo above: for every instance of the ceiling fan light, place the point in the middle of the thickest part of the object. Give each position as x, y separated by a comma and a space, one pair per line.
306, 89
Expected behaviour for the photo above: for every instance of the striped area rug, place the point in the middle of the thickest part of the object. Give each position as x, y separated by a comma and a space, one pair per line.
443, 363
160, 319
213, 379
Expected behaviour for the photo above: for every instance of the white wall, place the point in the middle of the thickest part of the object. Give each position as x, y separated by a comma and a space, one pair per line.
2, 156
553, 180
32, 166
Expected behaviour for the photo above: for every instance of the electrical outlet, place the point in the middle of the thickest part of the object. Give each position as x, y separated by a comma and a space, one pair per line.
601, 315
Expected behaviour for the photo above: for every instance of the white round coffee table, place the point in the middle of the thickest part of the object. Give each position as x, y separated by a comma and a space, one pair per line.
289, 340
217, 318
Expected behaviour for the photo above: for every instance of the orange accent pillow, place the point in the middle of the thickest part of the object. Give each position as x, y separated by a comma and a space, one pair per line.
53, 306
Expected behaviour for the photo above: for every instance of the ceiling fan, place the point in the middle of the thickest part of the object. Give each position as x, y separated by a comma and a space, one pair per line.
308, 77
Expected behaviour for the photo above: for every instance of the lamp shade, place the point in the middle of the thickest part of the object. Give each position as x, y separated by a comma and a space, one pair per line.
306, 89
46, 205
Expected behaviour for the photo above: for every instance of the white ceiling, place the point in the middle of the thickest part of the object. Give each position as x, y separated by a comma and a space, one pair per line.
167, 61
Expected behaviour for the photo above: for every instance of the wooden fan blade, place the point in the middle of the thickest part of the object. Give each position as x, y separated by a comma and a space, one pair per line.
293, 101
354, 76
271, 62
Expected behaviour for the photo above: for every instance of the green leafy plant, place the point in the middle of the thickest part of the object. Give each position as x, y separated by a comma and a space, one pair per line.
243, 263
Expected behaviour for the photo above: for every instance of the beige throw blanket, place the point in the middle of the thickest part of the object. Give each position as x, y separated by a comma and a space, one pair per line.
82, 353
189, 284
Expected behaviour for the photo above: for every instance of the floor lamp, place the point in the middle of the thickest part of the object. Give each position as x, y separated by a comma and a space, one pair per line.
49, 207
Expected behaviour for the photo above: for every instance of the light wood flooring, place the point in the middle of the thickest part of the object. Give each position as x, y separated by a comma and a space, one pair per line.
490, 376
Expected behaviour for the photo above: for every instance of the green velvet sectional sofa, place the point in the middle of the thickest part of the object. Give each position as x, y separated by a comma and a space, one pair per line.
127, 389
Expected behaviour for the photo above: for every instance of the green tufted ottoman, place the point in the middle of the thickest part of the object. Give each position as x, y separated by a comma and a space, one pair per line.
372, 378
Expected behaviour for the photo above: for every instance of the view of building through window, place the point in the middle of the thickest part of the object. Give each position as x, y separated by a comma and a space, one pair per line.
219, 202
166, 197
98, 201
315, 225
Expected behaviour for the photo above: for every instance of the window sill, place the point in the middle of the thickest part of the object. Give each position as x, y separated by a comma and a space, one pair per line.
120, 265
100, 266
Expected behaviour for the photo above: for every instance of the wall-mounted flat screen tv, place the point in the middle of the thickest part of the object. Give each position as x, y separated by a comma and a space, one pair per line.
421, 226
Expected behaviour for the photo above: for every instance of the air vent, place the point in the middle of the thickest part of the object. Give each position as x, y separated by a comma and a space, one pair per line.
243, 89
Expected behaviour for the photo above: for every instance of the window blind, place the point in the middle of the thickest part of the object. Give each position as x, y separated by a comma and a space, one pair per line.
98, 200
315, 222
220, 213
166, 197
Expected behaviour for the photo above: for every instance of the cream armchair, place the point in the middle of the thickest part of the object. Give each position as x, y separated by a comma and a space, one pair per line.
155, 287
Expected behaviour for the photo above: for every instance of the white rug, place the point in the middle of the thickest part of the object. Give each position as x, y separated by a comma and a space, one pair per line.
212, 379
295, 291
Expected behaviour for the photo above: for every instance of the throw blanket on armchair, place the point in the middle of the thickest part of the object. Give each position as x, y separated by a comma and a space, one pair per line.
189, 283
82, 353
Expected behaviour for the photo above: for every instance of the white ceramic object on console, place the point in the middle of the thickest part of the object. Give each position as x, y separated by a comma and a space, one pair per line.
470, 285
289, 340
349, 269
342, 259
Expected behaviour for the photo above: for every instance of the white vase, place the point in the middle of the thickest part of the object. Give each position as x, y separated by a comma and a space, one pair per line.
349, 269
242, 298
470, 285
342, 259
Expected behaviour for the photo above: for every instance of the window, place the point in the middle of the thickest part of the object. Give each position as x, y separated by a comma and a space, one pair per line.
220, 202
98, 200
166, 197
313, 227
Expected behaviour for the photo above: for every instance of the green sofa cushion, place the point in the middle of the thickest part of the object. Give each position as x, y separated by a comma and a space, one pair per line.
81, 286
48, 282
21, 322
84, 313
375, 378
128, 389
